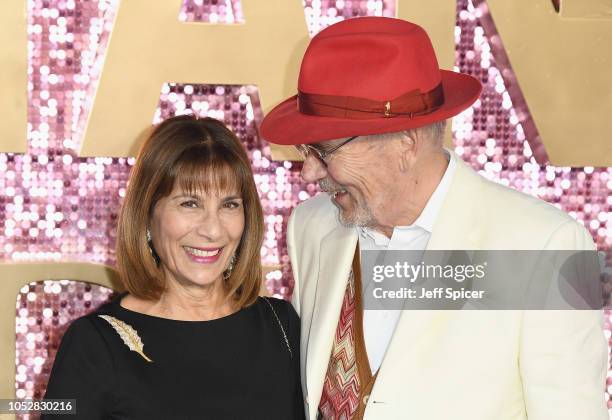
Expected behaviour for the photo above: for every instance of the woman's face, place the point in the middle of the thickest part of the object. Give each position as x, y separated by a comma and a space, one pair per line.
196, 235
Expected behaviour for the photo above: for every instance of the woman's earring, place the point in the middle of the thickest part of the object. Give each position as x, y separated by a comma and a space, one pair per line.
150, 244
228, 271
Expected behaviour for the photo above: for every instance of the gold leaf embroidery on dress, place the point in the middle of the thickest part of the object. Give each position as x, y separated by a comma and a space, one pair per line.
128, 334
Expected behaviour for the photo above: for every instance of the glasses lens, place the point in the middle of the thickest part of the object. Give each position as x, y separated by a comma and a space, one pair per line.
302, 150
306, 150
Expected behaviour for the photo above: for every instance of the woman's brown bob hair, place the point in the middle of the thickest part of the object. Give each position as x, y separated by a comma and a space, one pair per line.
194, 155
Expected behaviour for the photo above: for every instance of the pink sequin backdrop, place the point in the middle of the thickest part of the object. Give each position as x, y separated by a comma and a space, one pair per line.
55, 206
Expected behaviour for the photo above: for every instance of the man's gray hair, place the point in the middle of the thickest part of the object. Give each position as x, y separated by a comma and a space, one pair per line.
432, 132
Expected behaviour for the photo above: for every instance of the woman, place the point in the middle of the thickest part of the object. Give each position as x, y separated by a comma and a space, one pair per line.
191, 338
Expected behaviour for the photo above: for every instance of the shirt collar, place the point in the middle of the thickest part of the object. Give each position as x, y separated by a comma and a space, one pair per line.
430, 212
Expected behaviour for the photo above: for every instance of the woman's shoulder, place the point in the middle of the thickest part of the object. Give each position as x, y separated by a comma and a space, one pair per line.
280, 312
82, 327
110, 307
286, 319
91, 326
84, 336
278, 307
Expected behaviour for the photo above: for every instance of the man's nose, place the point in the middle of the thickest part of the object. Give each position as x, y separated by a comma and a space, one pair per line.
313, 169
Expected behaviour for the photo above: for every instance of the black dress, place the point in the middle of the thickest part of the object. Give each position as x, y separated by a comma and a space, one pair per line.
236, 367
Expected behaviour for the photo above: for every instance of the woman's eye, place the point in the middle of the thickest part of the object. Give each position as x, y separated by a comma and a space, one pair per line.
232, 204
189, 204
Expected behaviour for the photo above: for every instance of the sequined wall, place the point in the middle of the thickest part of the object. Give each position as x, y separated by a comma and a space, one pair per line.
56, 206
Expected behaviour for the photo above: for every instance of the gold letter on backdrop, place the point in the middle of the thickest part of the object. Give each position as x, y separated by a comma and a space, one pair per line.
562, 62
14, 77
14, 277
150, 46
589, 9
438, 19
563, 67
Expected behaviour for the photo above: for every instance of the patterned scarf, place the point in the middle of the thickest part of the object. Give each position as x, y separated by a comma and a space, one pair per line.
340, 397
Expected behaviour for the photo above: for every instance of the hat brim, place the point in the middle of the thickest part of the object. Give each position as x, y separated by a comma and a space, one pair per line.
285, 125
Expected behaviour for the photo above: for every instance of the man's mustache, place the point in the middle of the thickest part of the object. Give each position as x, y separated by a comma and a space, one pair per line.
330, 187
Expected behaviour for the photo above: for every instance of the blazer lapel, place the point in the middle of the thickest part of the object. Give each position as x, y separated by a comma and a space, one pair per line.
459, 223
457, 227
336, 256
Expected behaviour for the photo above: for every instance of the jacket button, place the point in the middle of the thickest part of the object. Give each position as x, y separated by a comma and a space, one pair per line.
365, 399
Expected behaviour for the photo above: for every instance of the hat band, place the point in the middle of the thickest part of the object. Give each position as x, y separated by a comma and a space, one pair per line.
409, 105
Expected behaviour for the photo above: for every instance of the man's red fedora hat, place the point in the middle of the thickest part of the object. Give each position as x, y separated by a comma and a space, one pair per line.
369, 75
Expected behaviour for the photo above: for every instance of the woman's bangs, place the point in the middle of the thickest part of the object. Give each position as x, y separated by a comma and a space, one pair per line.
209, 174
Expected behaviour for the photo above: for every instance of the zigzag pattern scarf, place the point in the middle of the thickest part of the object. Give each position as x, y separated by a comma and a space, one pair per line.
340, 397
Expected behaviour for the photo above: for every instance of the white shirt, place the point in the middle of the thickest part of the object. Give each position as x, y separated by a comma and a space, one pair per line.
379, 325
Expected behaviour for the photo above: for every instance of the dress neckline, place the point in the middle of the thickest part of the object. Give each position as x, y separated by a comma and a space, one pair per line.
136, 314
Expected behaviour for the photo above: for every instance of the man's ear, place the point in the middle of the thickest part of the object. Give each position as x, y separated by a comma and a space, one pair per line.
408, 146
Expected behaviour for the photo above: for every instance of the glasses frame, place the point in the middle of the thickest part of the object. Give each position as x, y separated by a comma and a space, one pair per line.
307, 149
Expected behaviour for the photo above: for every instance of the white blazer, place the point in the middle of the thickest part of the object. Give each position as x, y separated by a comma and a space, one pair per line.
457, 365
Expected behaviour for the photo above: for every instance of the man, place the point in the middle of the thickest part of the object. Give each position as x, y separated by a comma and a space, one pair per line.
369, 118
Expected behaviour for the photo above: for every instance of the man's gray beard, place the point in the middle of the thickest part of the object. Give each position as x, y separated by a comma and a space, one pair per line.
363, 217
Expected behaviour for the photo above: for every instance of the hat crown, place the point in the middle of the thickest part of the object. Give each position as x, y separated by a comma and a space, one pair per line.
365, 76
373, 57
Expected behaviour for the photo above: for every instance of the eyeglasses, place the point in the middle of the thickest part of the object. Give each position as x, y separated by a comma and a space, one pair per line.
321, 155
